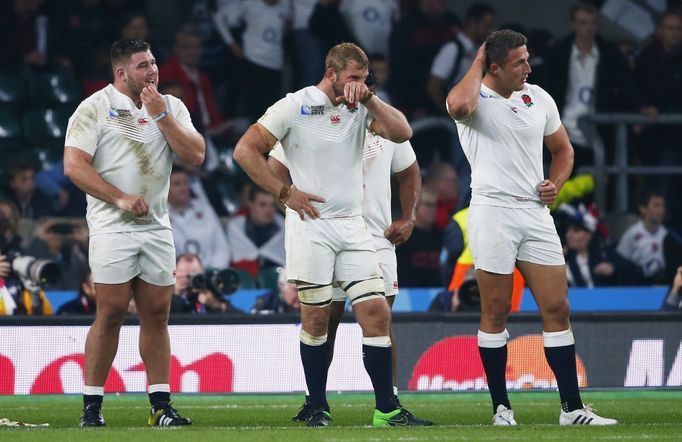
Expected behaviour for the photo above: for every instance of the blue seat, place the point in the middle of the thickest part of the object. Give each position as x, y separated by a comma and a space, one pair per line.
10, 129
50, 90
12, 92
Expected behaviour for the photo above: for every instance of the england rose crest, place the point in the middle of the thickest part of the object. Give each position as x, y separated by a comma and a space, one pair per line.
527, 100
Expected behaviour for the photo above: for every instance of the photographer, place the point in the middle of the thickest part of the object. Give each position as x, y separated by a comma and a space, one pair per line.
188, 298
282, 300
85, 302
18, 297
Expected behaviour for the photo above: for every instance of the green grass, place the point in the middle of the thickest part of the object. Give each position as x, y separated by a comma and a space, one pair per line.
459, 416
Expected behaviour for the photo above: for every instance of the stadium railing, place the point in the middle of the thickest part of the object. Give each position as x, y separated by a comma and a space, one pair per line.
620, 168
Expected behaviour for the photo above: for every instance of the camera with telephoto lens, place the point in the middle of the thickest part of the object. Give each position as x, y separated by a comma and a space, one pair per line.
219, 282
34, 273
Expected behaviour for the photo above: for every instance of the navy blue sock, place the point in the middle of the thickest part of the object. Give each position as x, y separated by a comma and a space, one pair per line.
377, 362
159, 396
314, 359
562, 362
495, 366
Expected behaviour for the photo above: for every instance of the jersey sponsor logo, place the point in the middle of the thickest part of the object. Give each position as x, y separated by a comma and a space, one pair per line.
119, 113
335, 119
142, 121
312, 110
527, 100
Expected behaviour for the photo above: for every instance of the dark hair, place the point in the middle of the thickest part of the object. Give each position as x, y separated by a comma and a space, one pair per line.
478, 11
255, 190
499, 43
644, 197
126, 47
83, 277
128, 17
371, 80
21, 165
583, 7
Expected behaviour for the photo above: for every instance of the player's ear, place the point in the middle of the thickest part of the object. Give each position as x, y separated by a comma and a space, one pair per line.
120, 73
330, 75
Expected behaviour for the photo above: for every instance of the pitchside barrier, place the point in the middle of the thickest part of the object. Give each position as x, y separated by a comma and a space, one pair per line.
260, 354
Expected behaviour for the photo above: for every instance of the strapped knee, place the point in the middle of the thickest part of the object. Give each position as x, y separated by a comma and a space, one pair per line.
315, 295
360, 291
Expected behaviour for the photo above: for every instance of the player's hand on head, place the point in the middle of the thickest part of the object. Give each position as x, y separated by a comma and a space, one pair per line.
153, 101
399, 231
547, 191
135, 204
301, 202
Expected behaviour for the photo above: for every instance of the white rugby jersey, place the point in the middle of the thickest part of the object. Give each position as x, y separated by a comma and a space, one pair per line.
381, 158
371, 22
323, 145
264, 32
129, 152
644, 248
503, 142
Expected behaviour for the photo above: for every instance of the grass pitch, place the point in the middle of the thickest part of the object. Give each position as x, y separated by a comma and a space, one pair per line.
651, 415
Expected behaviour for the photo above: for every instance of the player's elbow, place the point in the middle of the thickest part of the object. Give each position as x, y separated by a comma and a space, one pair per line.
459, 107
403, 134
240, 153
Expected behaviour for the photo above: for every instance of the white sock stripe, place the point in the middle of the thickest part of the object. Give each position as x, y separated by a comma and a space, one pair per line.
558, 339
93, 391
159, 388
492, 340
377, 341
311, 340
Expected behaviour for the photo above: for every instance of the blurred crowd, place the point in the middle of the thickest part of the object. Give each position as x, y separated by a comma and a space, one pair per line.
228, 60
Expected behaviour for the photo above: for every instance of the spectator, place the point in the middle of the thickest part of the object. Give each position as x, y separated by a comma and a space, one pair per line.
197, 93
61, 241
588, 262
658, 73
309, 51
455, 57
415, 41
378, 64
588, 74
31, 202
442, 179
370, 22
328, 25
257, 239
418, 264
283, 300
262, 50
642, 243
24, 28
9, 226
196, 227
134, 26
70, 200
188, 299
85, 303
674, 299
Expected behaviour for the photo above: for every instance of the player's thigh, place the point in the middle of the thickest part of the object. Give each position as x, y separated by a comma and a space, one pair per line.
157, 257
496, 292
494, 237
113, 257
152, 301
113, 300
548, 285
310, 254
540, 243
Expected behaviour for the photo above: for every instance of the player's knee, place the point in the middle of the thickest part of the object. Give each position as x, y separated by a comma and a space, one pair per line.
109, 317
496, 312
315, 321
558, 310
374, 318
315, 295
365, 290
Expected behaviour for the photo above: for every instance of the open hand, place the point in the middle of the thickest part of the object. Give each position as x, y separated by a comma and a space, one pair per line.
301, 203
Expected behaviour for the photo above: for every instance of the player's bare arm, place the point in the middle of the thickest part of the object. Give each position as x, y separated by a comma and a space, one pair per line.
388, 122
560, 147
249, 155
281, 171
410, 184
188, 145
77, 166
462, 99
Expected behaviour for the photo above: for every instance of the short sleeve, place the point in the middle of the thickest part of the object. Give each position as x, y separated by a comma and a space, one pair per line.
443, 63
277, 153
180, 112
553, 119
277, 119
81, 131
403, 157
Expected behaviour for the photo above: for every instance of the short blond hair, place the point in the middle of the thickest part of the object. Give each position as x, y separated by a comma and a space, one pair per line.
340, 55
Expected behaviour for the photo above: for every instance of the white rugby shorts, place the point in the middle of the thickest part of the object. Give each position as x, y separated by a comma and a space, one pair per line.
389, 270
499, 236
319, 251
118, 257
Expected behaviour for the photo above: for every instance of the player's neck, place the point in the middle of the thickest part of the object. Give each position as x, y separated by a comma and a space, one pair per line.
490, 83
326, 87
125, 91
